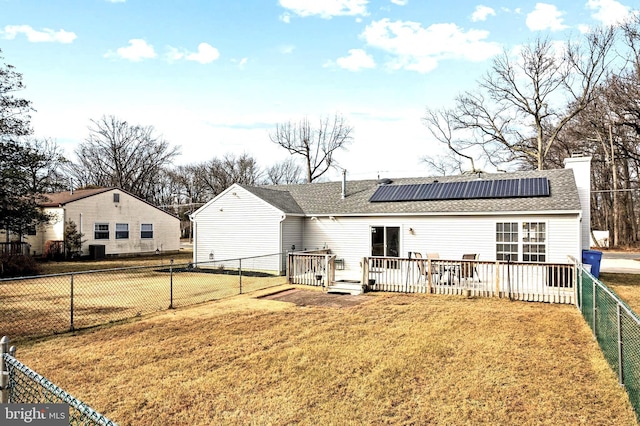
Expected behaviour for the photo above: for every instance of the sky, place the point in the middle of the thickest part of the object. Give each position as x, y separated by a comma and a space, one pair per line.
215, 77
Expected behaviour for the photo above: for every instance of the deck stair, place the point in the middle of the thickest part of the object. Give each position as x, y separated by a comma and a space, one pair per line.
352, 287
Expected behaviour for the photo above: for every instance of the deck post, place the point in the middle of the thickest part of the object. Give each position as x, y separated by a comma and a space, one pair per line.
365, 272
429, 277
497, 278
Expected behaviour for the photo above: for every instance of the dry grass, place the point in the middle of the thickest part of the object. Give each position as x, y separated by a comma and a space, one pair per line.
395, 359
42, 306
627, 286
53, 267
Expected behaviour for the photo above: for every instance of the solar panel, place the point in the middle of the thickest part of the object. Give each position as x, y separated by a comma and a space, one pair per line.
383, 193
505, 188
453, 190
406, 192
429, 191
534, 187
478, 189
473, 189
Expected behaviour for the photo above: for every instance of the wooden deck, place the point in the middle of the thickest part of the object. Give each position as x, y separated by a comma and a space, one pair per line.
535, 282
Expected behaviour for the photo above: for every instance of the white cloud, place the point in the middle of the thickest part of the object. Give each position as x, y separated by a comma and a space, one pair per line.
609, 12
46, 35
481, 13
326, 8
205, 54
285, 17
413, 47
286, 49
545, 17
137, 50
357, 60
400, 2
584, 28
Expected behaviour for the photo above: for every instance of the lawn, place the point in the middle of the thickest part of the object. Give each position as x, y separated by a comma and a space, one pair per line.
54, 267
627, 286
393, 359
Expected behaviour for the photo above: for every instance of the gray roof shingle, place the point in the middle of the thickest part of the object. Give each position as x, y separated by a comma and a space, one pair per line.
325, 198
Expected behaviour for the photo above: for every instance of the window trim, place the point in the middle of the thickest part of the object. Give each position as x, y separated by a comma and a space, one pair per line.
96, 231
537, 255
534, 251
504, 254
122, 234
146, 234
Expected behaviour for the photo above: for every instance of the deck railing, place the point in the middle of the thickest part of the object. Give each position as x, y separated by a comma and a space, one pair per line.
315, 268
536, 282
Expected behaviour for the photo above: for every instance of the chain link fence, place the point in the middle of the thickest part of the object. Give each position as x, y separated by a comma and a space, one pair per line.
25, 386
50, 304
617, 329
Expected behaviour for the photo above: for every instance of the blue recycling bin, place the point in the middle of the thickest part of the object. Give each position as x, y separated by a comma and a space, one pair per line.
593, 258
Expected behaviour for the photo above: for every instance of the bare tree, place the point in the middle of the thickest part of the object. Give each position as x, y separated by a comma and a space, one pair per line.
523, 103
316, 145
285, 172
45, 170
218, 174
123, 155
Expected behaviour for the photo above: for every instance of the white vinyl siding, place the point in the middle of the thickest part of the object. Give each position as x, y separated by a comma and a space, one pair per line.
449, 236
237, 224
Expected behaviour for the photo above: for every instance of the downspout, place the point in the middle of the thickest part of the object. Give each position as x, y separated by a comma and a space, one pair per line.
281, 250
64, 232
80, 225
194, 257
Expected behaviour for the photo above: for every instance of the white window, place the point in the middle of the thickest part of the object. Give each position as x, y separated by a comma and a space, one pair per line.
101, 231
122, 231
534, 237
146, 230
507, 241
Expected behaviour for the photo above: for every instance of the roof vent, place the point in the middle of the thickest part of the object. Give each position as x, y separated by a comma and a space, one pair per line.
384, 181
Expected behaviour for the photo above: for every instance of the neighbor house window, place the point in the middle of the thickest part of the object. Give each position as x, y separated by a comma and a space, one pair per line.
146, 230
101, 231
534, 237
122, 231
31, 230
116, 198
507, 241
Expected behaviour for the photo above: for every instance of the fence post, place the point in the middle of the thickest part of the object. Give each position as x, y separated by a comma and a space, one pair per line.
595, 309
620, 360
71, 327
240, 273
171, 284
4, 371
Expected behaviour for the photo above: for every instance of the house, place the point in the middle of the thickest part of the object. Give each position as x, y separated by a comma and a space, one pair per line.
113, 221
532, 216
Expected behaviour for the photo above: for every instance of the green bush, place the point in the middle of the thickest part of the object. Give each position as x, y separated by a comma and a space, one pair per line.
12, 265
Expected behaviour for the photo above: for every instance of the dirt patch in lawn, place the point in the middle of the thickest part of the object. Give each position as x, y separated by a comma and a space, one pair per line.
315, 298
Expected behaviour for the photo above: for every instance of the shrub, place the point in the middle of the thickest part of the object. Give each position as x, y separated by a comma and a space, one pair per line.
12, 265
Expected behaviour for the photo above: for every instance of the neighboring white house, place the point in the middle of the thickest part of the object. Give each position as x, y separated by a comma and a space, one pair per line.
110, 219
546, 219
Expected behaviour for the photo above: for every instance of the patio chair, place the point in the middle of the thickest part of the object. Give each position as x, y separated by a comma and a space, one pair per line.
468, 269
436, 269
421, 267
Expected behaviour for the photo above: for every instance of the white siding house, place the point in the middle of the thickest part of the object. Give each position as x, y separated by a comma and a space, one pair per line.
240, 224
539, 227
121, 222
